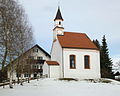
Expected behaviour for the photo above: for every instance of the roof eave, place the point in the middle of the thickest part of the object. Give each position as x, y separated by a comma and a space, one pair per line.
81, 48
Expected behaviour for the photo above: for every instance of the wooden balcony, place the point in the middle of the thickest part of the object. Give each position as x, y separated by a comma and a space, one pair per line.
37, 70
35, 61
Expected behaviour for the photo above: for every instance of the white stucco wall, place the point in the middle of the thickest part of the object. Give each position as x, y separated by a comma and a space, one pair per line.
56, 55
80, 72
54, 71
45, 70
51, 71
117, 77
38, 54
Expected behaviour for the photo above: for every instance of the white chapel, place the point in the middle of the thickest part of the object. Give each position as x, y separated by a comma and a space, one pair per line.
73, 55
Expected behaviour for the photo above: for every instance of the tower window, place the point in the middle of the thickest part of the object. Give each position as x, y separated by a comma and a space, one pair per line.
87, 62
72, 62
59, 23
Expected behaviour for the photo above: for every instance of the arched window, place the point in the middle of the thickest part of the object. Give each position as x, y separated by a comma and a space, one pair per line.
87, 62
59, 23
72, 62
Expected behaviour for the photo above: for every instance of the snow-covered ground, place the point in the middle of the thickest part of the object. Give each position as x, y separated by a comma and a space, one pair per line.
52, 87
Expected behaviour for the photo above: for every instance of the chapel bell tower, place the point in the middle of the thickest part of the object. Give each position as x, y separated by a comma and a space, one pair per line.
58, 30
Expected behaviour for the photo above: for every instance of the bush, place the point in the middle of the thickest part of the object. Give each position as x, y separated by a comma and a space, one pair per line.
91, 80
98, 80
68, 79
105, 81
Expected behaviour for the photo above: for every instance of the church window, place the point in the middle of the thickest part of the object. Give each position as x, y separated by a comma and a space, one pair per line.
87, 62
59, 23
72, 62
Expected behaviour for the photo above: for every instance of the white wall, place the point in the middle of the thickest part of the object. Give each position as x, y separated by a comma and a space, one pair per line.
54, 71
117, 77
51, 71
56, 54
39, 54
80, 72
45, 70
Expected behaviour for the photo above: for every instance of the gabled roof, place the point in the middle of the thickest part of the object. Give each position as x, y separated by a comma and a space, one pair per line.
52, 63
76, 40
117, 73
34, 47
58, 15
30, 50
41, 50
47, 54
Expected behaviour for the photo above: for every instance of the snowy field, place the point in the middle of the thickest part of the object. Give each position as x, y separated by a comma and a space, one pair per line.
52, 87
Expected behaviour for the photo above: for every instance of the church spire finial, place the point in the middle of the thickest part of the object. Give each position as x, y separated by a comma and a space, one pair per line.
58, 15
58, 4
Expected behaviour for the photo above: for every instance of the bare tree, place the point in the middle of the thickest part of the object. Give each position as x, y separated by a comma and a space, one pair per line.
15, 35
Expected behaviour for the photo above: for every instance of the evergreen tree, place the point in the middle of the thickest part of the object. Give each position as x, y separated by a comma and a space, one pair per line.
105, 61
96, 42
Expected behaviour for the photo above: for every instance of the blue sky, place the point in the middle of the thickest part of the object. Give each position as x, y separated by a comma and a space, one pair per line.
93, 17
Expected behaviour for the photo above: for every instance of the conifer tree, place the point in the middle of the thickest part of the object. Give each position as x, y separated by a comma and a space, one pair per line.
96, 42
105, 60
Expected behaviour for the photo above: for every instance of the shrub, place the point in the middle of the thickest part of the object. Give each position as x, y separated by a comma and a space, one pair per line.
68, 79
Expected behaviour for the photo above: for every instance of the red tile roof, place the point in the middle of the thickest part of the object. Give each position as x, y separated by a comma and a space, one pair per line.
76, 40
52, 63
